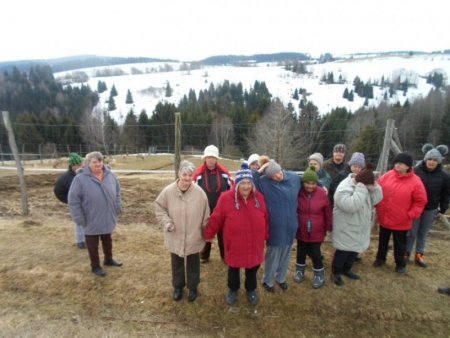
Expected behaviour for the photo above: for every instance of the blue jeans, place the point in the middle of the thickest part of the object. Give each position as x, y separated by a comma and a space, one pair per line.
419, 231
276, 264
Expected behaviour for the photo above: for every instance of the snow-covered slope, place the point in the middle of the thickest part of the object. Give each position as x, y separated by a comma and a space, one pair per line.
148, 88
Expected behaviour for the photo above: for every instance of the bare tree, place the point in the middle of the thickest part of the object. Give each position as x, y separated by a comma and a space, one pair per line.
92, 127
222, 132
275, 135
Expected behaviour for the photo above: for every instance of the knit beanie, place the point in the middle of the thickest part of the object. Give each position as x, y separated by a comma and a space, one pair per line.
272, 168
75, 159
366, 175
437, 153
318, 157
310, 175
357, 159
211, 151
253, 158
243, 173
340, 148
404, 158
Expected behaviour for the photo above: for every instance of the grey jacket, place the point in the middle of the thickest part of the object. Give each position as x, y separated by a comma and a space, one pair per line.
95, 205
352, 214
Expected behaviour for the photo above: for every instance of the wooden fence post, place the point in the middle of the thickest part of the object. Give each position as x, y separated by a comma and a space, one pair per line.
13, 146
177, 143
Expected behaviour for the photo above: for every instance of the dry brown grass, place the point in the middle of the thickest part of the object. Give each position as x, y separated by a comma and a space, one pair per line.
46, 288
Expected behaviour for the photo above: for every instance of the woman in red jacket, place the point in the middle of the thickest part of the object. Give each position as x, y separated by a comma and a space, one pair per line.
314, 220
404, 198
242, 215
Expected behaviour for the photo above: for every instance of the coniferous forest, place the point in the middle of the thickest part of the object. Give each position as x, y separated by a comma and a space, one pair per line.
49, 117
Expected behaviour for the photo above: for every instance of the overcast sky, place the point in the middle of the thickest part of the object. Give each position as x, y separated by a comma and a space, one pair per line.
194, 29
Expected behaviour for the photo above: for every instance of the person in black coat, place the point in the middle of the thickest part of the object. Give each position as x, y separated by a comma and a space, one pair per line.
61, 190
437, 185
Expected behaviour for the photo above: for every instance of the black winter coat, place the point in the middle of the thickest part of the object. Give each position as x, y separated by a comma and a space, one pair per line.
62, 185
437, 185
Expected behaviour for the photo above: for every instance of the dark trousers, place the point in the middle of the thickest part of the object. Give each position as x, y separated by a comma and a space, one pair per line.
312, 250
92, 246
399, 245
191, 271
234, 279
206, 252
343, 261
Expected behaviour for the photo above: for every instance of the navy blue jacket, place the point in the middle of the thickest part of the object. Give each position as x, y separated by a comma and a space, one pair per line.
281, 201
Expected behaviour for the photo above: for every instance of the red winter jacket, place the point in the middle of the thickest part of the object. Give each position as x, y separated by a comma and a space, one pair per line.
316, 209
245, 230
404, 198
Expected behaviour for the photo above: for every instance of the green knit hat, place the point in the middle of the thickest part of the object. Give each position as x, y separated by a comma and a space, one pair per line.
310, 175
75, 159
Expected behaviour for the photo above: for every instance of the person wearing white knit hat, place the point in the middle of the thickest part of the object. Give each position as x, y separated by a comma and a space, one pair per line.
214, 179
253, 162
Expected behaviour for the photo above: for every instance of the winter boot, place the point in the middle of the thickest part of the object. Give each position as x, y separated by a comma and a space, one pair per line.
319, 278
299, 274
419, 259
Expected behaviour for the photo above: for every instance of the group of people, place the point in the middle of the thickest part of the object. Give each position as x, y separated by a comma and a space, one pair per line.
258, 215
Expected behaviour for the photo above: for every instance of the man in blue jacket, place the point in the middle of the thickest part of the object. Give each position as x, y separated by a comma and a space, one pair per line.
280, 189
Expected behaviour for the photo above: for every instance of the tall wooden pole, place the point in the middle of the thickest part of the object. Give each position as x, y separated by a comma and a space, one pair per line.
177, 143
13, 146
384, 157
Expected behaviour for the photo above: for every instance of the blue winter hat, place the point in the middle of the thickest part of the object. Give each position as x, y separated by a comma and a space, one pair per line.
243, 173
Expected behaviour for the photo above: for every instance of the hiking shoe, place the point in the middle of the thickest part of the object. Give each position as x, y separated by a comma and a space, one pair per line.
177, 294
377, 263
445, 291
231, 297
99, 272
400, 269
268, 288
112, 262
337, 279
419, 259
192, 295
350, 274
283, 286
252, 297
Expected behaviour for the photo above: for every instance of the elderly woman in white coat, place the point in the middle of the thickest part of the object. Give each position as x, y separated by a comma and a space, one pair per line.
354, 200
183, 211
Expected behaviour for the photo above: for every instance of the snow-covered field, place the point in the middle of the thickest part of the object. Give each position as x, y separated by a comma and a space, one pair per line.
149, 88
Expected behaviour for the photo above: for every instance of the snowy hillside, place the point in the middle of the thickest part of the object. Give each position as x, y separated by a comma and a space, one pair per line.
148, 89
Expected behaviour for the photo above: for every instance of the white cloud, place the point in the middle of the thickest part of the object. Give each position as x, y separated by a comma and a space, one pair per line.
191, 30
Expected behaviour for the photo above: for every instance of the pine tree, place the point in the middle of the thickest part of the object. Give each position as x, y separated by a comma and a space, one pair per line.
101, 87
169, 90
351, 96
111, 104
129, 98
345, 95
113, 91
